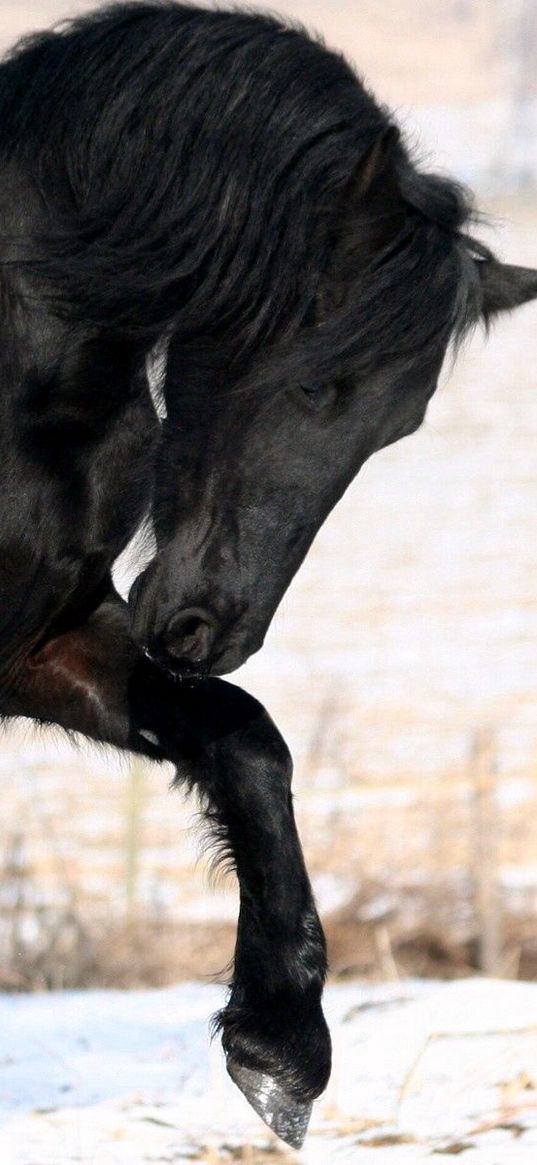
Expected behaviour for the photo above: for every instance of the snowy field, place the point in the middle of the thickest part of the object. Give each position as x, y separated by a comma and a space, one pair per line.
422, 1072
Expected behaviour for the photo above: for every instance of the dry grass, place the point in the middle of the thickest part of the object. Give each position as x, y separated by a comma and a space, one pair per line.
436, 910
68, 952
65, 950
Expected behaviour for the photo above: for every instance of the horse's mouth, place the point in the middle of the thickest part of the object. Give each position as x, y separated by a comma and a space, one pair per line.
178, 669
228, 660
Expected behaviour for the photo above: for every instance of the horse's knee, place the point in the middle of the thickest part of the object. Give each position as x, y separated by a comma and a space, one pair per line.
236, 730
261, 748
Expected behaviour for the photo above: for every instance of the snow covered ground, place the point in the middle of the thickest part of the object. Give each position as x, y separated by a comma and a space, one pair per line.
423, 1071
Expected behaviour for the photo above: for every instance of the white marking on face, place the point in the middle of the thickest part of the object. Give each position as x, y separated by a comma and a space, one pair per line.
155, 365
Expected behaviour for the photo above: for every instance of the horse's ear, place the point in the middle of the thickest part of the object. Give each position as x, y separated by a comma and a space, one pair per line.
365, 217
372, 165
376, 160
373, 186
504, 287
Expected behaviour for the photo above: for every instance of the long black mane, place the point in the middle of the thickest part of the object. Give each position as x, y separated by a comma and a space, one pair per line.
258, 130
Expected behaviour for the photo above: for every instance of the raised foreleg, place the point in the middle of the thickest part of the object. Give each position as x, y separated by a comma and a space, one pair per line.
273, 1031
91, 679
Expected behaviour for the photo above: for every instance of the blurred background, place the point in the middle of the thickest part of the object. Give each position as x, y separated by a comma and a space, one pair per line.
402, 665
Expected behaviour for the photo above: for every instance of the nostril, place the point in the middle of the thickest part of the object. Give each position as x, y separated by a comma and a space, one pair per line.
192, 626
190, 635
191, 640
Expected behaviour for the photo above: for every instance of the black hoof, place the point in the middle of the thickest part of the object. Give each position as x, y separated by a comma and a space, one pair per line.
284, 1114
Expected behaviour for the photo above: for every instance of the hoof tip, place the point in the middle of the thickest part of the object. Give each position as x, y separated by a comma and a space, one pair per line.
284, 1114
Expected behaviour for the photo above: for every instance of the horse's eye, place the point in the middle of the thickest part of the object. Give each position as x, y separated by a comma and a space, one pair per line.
318, 396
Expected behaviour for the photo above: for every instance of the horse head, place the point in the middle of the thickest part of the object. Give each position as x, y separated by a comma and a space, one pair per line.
257, 448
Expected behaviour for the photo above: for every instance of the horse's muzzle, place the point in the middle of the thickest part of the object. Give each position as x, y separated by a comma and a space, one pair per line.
190, 641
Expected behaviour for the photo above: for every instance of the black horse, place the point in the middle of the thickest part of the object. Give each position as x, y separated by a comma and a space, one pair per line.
223, 181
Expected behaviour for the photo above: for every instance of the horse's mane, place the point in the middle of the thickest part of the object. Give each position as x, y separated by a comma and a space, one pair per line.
191, 162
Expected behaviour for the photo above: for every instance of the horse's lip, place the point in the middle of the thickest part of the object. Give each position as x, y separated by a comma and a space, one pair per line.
228, 659
232, 657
